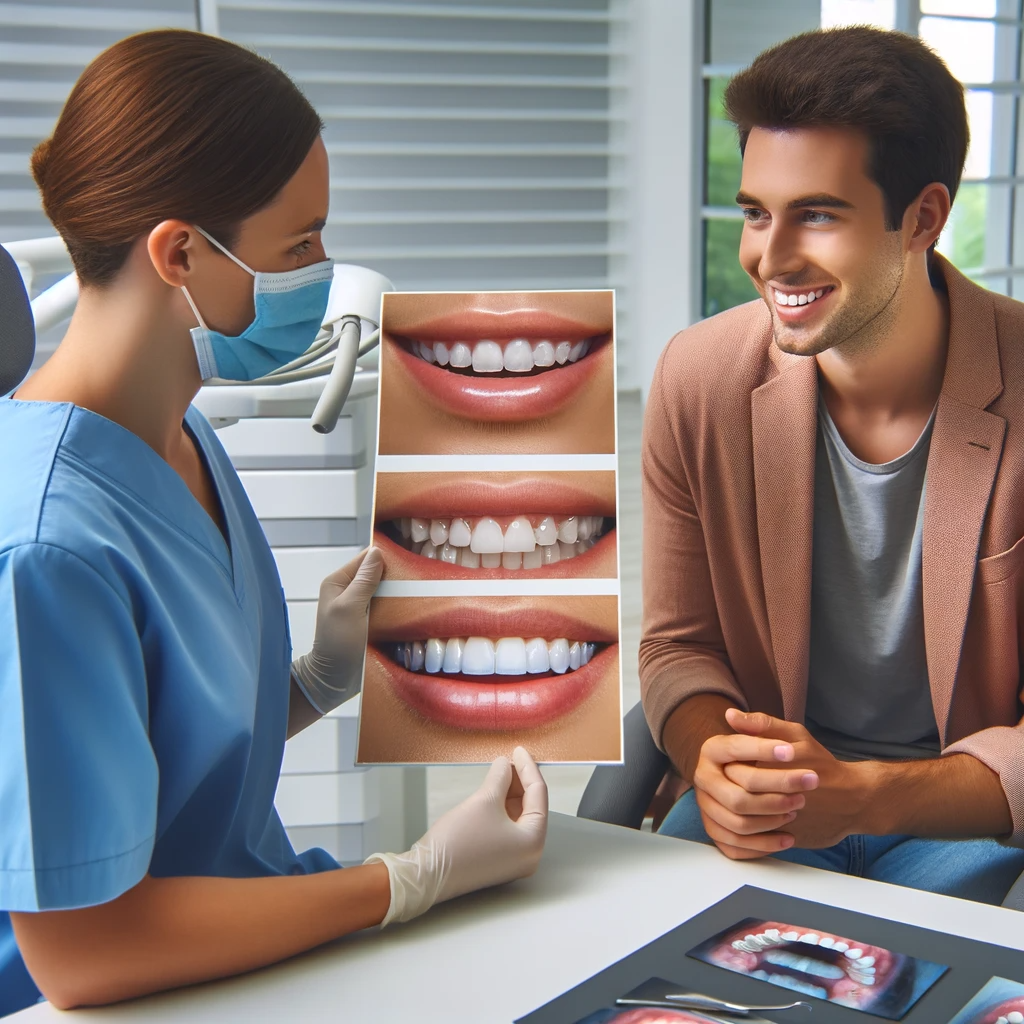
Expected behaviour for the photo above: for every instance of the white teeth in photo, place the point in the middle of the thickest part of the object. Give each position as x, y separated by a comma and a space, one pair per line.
520, 355
851, 963
482, 656
525, 542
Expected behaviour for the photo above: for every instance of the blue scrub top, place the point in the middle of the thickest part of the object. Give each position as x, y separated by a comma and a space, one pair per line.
144, 673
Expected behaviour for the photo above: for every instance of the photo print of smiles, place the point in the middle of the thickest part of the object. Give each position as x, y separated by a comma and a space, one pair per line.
495, 506
1001, 1001
821, 965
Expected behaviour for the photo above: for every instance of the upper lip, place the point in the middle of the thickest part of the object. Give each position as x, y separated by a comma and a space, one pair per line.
790, 290
513, 619
473, 324
527, 496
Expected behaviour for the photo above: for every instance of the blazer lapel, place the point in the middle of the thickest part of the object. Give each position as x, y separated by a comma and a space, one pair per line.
784, 424
963, 459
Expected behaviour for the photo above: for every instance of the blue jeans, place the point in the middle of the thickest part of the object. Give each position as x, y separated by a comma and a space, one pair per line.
973, 869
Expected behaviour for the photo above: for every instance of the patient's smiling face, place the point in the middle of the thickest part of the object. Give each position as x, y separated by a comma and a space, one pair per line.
815, 242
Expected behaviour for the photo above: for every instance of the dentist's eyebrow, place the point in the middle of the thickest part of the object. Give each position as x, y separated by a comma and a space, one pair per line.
823, 200
315, 225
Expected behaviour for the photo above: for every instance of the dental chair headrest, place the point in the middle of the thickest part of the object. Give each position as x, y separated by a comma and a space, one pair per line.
17, 328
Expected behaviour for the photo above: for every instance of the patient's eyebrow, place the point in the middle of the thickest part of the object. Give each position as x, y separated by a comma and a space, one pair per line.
818, 201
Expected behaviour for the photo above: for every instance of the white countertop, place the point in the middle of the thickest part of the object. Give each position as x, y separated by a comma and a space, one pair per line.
600, 893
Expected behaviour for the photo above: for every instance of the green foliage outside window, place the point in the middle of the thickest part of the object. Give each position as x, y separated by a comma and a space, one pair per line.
725, 282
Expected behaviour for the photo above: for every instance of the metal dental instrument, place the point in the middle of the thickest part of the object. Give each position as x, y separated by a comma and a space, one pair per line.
697, 1001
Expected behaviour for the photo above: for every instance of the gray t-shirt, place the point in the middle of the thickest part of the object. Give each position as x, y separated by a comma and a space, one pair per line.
868, 695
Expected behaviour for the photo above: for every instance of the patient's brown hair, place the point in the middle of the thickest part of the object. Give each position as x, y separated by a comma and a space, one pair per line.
888, 85
168, 124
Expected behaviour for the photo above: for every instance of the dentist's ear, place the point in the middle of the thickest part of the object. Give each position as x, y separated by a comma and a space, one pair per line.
171, 247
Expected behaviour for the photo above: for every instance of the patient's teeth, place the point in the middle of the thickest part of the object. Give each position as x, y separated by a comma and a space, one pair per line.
491, 560
487, 357
827, 943
449, 554
510, 656
566, 550
568, 530
543, 354
433, 655
791, 936
469, 558
537, 656
477, 657
428, 550
438, 531
459, 533
518, 356
418, 656
533, 559
584, 528
575, 352
404, 528
855, 954
487, 537
519, 535
512, 560
558, 655
550, 554
562, 350
461, 355
839, 947
811, 938
547, 531
865, 961
426, 352
588, 653
574, 655
441, 353
419, 530
453, 655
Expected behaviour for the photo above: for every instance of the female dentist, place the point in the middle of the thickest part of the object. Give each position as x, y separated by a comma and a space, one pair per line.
144, 652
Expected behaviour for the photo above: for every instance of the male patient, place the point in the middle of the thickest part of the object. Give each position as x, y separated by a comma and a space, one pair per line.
834, 497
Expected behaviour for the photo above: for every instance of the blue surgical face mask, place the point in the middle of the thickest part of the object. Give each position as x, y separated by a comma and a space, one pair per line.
290, 307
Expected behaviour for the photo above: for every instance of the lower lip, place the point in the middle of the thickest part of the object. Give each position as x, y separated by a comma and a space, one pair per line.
412, 566
1005, 1008
801, 314
501, 399
525, 703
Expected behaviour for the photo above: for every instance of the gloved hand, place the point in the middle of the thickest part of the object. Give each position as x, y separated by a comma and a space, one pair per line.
332, 671
494, 836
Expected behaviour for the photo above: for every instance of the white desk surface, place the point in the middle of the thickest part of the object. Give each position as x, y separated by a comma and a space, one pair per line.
600, 893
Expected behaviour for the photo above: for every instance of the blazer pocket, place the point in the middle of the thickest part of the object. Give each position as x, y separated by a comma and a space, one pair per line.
997, 568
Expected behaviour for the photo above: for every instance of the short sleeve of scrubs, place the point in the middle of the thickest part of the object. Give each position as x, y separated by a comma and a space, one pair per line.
78, 776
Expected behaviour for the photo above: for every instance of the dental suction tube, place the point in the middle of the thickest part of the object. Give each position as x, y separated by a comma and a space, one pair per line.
339, 383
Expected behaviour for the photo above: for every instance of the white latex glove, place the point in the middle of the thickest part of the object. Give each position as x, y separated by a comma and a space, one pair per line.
332, 671
494, 836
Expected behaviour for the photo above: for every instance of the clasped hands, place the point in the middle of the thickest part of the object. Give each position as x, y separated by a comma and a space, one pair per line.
771, 785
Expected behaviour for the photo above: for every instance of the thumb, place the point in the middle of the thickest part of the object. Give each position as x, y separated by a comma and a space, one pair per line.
499, 778
369, 573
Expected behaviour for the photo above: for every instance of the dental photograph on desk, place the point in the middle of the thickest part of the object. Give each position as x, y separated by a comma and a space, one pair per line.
819, 964
1001, 1001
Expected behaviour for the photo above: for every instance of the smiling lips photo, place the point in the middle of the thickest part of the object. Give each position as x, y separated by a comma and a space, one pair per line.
465, 679
823, 965
497, 372
497, 525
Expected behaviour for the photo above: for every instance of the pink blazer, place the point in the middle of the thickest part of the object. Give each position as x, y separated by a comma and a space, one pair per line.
728, 500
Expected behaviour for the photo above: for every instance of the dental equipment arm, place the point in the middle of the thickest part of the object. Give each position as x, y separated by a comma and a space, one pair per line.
332, 671
495, 836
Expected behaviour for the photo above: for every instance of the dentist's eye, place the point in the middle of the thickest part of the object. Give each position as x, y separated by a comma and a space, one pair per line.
302, 248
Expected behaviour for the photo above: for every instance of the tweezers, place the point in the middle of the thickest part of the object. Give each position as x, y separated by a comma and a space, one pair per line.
697, 1001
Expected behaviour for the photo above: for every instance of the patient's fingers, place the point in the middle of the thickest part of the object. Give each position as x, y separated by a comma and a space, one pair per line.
770, 780
724, 749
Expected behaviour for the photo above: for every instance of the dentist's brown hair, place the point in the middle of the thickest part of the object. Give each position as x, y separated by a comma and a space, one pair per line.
168, 124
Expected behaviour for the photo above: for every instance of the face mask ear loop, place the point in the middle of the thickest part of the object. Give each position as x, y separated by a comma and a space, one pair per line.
227, 252
188, 299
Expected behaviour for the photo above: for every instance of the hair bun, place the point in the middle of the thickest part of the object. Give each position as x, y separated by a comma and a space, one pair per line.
40, 161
